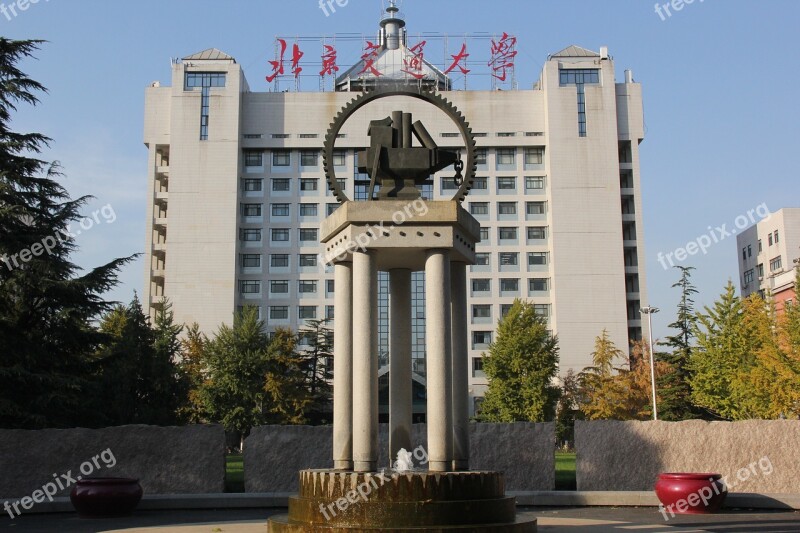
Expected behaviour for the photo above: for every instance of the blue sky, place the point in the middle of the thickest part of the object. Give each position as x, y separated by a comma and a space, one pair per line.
719, 81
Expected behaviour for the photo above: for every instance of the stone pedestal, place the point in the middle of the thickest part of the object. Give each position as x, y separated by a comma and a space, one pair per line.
331, 501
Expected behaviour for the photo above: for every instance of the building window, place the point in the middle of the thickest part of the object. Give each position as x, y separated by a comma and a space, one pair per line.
309, 184
749, 276
308, 260
308, 210
309, 158
538, 284
307, 286
535, 208
308, 234
534, 156
759, 246
481, 337
481, 311
479, 208
482, 258
480, 156
507, 208
281, 158
251, 260
281, 184
280, 235
509, 258
537, 258
744, 254
339, 158
484, 233
536, 233
775, 264
253, 158
249, 286
331, 208
509, 285
250, 235
477, 371
760, 270
279, 260
542, 310
504, 309
253, 185
506, 156
533, 183
479, 184
251, 210
481, 285
579, 78
769, 239
506, 184
279, 286
280, 210
449, 184
307, 312
279, 312
329, 312
749, 251
776, 237
204, 80
507, 233
330, 285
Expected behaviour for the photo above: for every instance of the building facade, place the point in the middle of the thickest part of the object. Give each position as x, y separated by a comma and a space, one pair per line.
236, 195
769, 252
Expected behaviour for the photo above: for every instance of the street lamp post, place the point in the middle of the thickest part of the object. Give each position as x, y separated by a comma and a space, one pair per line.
649, 310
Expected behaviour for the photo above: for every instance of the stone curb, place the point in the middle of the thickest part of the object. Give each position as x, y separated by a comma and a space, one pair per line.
163, 502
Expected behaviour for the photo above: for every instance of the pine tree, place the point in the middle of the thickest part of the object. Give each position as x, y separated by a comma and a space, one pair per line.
521, 366
675, 385
46, 306
316, 363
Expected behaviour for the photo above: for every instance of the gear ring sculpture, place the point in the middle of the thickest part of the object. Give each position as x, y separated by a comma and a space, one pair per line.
421, 94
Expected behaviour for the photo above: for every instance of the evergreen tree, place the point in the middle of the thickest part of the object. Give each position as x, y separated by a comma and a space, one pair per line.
521, 366
287, 384
316, 363
140, 383
675, 385
193, 369
46, 306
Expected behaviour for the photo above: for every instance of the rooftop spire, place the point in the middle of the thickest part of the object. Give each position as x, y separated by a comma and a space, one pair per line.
392, 26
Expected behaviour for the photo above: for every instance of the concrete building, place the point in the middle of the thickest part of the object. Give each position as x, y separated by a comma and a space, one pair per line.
236, 196
769, 251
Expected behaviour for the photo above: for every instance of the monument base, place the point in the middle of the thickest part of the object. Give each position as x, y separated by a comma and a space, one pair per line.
338, 501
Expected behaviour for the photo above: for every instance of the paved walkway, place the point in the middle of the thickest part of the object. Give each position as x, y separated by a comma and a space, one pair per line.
582, 519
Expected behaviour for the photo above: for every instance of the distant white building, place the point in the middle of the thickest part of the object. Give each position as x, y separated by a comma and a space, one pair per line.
236, 194
768, 254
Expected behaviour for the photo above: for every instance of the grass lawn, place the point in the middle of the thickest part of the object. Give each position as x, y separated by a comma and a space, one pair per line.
565, 471
234, 473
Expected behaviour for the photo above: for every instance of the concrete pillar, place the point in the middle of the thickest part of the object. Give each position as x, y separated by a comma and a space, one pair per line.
400, 386
439, 360
458, 325
365, 362
343, 367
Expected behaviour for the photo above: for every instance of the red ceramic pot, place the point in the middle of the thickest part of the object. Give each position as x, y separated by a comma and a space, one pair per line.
691, 493
105, 496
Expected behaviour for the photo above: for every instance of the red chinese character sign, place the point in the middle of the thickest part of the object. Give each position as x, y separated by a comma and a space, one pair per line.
371, 51
329, 66
503, 54
415, 61
459, 61
277, 65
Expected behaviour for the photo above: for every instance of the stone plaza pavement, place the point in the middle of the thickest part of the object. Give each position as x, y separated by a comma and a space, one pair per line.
581, 519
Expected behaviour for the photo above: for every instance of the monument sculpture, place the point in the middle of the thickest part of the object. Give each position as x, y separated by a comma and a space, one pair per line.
439, 240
